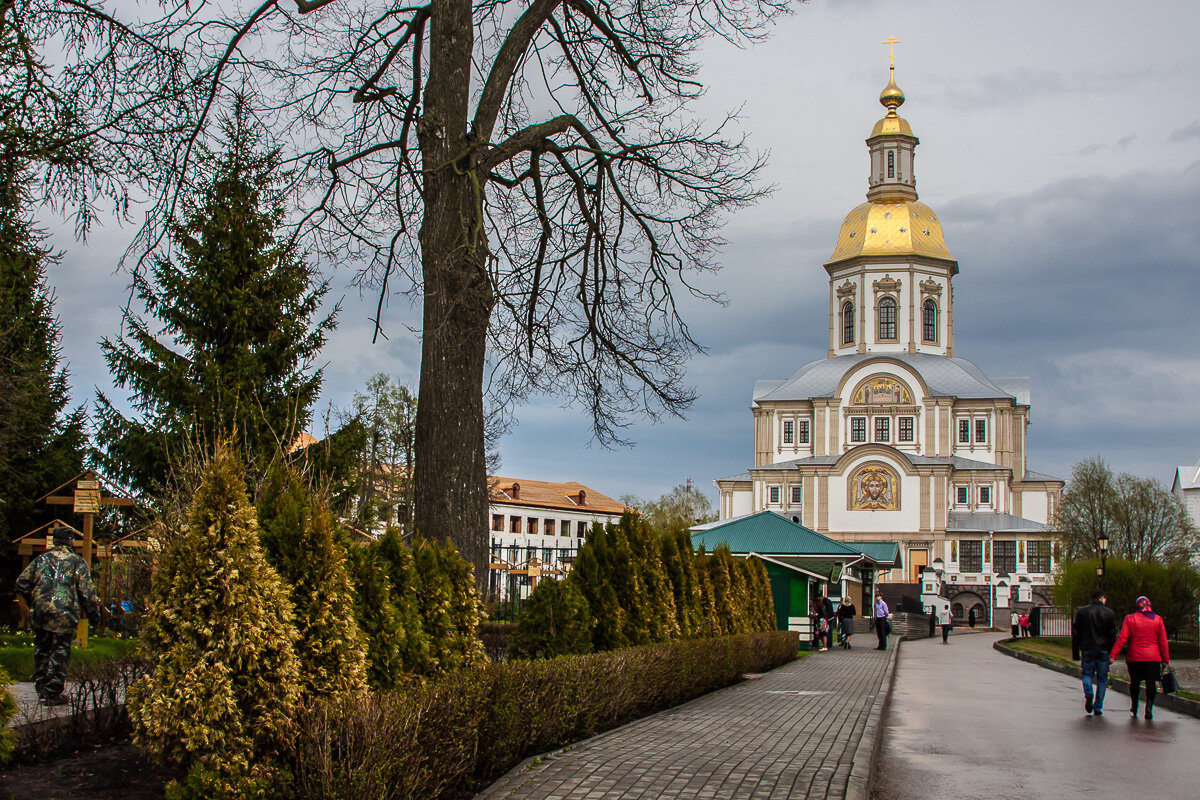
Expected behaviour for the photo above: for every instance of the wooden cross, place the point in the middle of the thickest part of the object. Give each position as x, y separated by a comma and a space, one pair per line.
86, 499
891, 42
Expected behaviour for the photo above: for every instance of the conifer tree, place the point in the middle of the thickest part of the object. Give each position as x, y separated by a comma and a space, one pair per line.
658, 598
464, 647
591, 571
556, 621
680, 564
415, 649
41, 444
626, 580
299, 537
711, 621
232, 353
221, 636
378, 618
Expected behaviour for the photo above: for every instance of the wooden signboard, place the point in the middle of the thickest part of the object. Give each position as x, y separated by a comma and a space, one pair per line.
87, 497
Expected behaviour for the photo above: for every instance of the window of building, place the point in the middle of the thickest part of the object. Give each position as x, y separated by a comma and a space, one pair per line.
981, 431
803, 432
887, 318
904, 429
891, 163
497, 522
1006, 556
548, 555
549, 527
883, 429
929, 321
581, 529
797, 495
970, 555
533, 525
514, 554
964, 431
789, 431
1038, 557
773, 495
847, 323
514, 524
961, 496
858, 429
985, 495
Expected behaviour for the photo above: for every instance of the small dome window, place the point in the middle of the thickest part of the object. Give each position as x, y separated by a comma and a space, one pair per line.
891, 163
847, 322
929, 321
887, 318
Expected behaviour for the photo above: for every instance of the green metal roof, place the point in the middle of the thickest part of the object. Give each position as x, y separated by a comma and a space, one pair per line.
770, 533
885, 554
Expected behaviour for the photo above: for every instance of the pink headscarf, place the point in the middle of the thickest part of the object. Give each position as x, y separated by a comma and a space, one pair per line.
1143, 605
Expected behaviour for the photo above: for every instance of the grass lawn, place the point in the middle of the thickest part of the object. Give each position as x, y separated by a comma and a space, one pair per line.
16, 653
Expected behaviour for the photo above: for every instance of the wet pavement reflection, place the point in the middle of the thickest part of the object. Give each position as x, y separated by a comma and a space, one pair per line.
968, 722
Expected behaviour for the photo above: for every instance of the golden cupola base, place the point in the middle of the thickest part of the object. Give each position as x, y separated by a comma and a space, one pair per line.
897, 228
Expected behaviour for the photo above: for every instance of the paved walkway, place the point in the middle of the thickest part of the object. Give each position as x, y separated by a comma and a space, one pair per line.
805, 730
968, 722
28, 709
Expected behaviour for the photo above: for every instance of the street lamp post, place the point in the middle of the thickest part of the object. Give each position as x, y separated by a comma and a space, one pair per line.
1100, 570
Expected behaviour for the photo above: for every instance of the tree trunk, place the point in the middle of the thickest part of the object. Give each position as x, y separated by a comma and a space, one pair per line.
450, 492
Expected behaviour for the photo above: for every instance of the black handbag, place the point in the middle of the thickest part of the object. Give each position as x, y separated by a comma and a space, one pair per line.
1169, 684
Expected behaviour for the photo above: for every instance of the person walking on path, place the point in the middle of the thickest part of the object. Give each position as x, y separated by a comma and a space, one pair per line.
1146, 636
846, 613
1024, 623
57, 585
1093, 634
1015, 621
828, 615
882, 626
943, 618
1035, 621
971, 617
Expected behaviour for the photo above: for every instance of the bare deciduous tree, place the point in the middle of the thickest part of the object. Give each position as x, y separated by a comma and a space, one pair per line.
528, 169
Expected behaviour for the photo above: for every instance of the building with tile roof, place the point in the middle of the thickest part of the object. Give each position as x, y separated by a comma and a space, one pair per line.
893, 438
537, 528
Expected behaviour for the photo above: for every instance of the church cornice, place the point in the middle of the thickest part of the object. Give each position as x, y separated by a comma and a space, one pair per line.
898, 262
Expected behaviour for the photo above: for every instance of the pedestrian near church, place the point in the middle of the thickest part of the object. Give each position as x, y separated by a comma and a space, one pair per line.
971, 617
1024, 623
846, 613
882, 626
943, 618
1093, 634
57, 585
1145, 636
1015, 621
830, 620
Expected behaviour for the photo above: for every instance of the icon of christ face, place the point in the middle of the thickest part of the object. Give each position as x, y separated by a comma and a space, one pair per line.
873, 488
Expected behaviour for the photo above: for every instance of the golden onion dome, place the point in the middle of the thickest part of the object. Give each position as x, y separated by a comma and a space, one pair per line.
891, 98
891, 228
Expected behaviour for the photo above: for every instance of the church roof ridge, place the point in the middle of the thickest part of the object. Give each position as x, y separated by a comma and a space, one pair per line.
946, 376
990, 522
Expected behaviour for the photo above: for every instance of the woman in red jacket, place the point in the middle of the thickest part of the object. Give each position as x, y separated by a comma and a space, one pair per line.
1146, 636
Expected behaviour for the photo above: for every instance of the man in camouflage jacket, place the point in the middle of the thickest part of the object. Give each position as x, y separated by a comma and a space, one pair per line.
57, 585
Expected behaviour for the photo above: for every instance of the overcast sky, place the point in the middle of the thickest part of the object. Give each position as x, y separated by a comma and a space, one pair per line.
1060, 144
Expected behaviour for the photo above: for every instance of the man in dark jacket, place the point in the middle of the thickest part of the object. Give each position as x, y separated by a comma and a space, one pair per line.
57, 585
1093, 634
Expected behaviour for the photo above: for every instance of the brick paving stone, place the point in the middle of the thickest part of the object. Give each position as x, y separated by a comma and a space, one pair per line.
796, 732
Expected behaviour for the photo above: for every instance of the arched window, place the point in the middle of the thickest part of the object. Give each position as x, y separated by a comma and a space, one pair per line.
891, 163
847, 322
887, 318
929, 321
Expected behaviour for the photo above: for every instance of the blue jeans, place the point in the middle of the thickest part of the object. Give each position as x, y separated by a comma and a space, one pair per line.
1095, 667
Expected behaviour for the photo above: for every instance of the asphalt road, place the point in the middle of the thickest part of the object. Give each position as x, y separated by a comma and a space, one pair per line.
967, 722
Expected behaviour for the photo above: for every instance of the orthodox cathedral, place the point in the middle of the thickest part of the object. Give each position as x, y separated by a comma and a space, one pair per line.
893, 437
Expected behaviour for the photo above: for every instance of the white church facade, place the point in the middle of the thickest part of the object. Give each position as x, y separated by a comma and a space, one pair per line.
893, 436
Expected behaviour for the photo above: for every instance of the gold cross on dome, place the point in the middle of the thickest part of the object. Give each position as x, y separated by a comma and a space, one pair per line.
891, 42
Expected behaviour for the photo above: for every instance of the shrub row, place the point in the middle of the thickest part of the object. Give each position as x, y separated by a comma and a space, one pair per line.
453, 734
632, 585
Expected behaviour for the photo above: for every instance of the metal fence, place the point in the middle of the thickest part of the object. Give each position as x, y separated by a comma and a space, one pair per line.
1055, 622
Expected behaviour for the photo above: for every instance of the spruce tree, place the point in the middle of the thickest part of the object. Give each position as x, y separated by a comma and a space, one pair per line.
658, 599
299, 536
464, 647
41, 444
626, 581
220, 635
680, 564
232, 352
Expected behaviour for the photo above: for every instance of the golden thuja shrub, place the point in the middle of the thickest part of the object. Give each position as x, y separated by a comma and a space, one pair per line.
217, 704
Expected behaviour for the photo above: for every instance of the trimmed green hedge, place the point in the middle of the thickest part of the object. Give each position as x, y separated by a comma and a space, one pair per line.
458, 732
